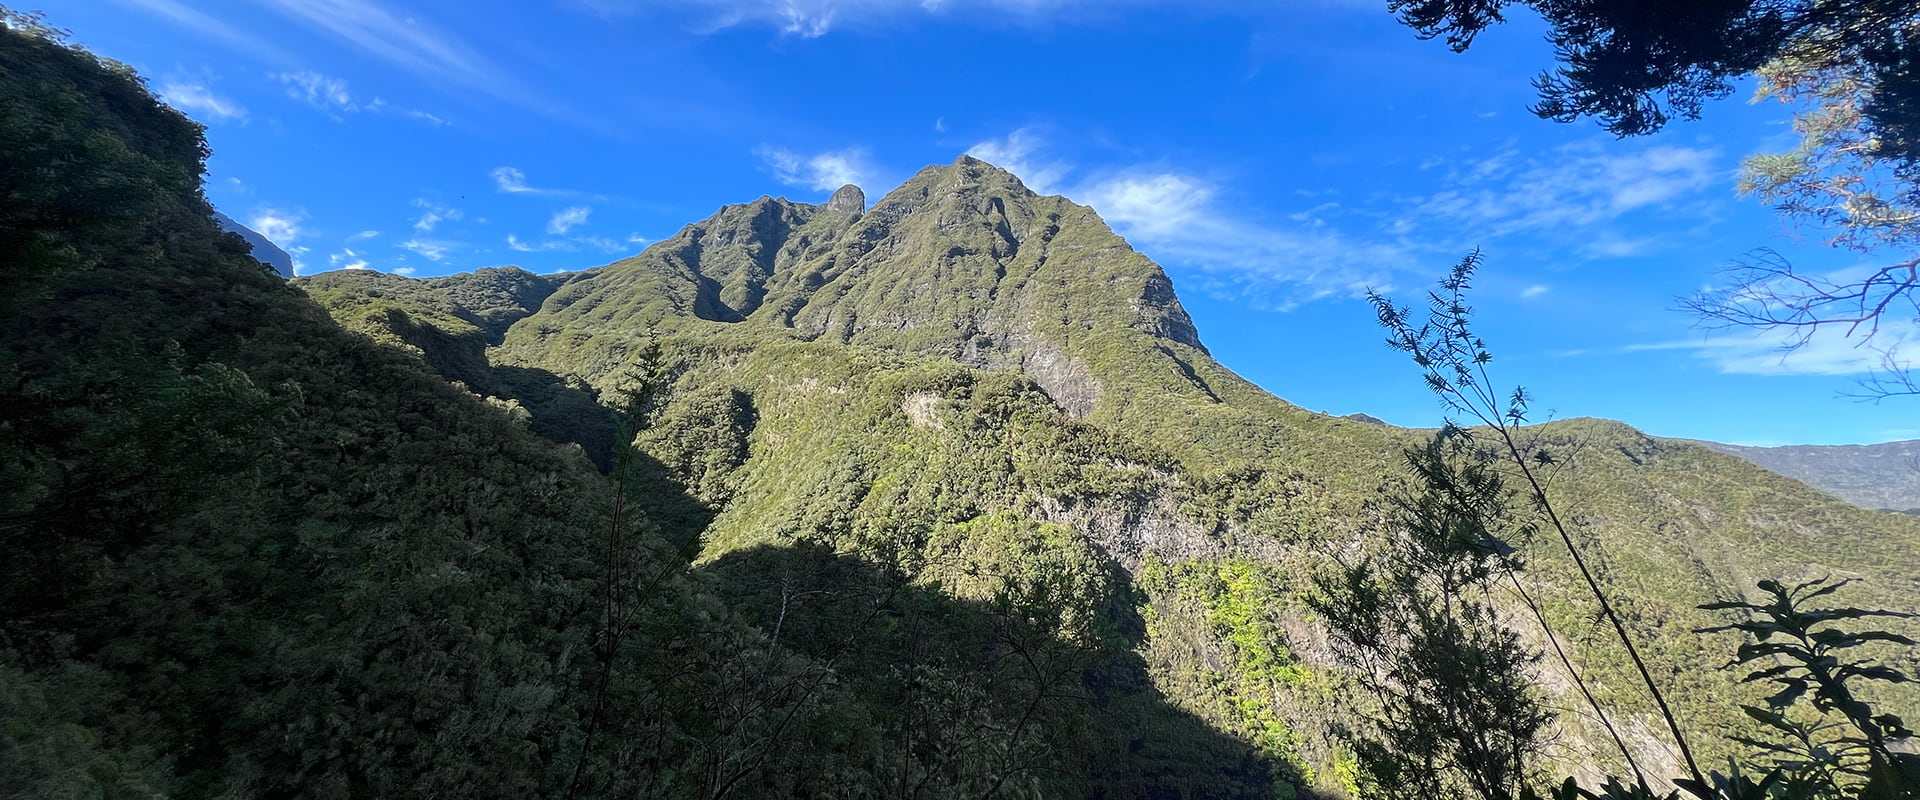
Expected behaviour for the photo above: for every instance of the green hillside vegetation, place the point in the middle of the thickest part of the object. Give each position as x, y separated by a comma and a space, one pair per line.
256, 554
938, 498
862, 368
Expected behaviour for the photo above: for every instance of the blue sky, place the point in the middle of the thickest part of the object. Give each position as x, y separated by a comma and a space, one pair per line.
1277, 162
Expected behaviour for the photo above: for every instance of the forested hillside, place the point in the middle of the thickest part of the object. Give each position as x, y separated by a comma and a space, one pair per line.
833, 377
938, 498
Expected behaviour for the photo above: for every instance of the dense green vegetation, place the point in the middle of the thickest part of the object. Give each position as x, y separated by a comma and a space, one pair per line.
943, 498
255, 554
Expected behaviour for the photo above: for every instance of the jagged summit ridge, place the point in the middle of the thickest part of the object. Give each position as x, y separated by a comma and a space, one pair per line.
961, 261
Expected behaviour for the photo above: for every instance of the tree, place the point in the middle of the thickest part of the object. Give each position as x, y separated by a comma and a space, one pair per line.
1453, 524
1456, 714
1634, 65
1852, 69
1837, 179
1454, 360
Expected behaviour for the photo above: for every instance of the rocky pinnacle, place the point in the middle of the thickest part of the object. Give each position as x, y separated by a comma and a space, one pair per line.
848, 199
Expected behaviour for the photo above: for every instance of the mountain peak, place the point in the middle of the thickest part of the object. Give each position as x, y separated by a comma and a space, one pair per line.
848, 199
963, 262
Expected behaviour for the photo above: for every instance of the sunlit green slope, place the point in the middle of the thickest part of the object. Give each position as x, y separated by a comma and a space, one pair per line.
966, 354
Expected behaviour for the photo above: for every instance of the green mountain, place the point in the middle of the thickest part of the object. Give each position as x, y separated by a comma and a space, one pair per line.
1879, 476
941, 497
835, 377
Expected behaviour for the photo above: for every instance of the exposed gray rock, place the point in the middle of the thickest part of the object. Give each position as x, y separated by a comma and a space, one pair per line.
848, 199
1131, 530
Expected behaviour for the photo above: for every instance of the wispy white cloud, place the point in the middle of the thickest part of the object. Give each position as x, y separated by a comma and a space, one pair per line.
602, 243
283, 228
404, 40
1572, 198
1828, 351
286, 229
1178, 218
363, 236
347, 258
1017, 153
331, 95
516, 244
1535, 291
822, 171
317, 90
510, 180
199, 100
567, 219
814, 18
208, 26
513, 181
432, 214
381, 106
573, 244
430, 249
1576, 187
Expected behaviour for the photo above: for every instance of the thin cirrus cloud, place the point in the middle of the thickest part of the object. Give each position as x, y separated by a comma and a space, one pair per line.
574, 244
1579, 187
331, 95
209, 27
1827, 351
815, 18
432, 214
1572, 198
283, 228
567, 219
317, 90
199, 100
430, 249
286, 229
1177, 218
347, 258
510, 180
824, 171
407, 41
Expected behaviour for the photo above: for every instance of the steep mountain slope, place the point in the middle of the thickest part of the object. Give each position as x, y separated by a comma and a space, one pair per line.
967, 356
265, 251
252, 553
1880, 476
938, 499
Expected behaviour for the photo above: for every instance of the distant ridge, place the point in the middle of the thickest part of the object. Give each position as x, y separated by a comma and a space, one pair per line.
1880, 476
265, 251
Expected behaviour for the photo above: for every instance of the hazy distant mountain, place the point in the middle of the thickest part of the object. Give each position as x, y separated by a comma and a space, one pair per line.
264, 250
1867, 475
